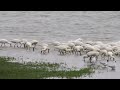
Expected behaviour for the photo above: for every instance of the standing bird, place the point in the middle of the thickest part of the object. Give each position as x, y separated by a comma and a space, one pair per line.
29, 45
4, 41
16, 42
34, 42
23, 42
45, 48
91, 55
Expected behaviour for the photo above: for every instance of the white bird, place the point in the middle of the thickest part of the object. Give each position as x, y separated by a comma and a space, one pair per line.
16, 42
29, 45
23, 42
92, 54
78, 49
44, 49
62, 48
56, 43
79, 39
110, 56
103, 53
4, 41
34, 42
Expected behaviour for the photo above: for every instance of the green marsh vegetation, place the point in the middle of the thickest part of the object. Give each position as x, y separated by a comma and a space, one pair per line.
30, 70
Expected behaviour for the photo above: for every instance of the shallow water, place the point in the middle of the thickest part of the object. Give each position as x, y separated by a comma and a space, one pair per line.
47, 26
60, 25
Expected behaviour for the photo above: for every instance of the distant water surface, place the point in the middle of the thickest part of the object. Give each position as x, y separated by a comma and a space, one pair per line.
60, 25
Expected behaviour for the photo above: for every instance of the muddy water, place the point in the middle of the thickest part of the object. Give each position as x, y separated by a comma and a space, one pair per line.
47, 26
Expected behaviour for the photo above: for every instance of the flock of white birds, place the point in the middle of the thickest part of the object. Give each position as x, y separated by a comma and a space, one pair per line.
89, 49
